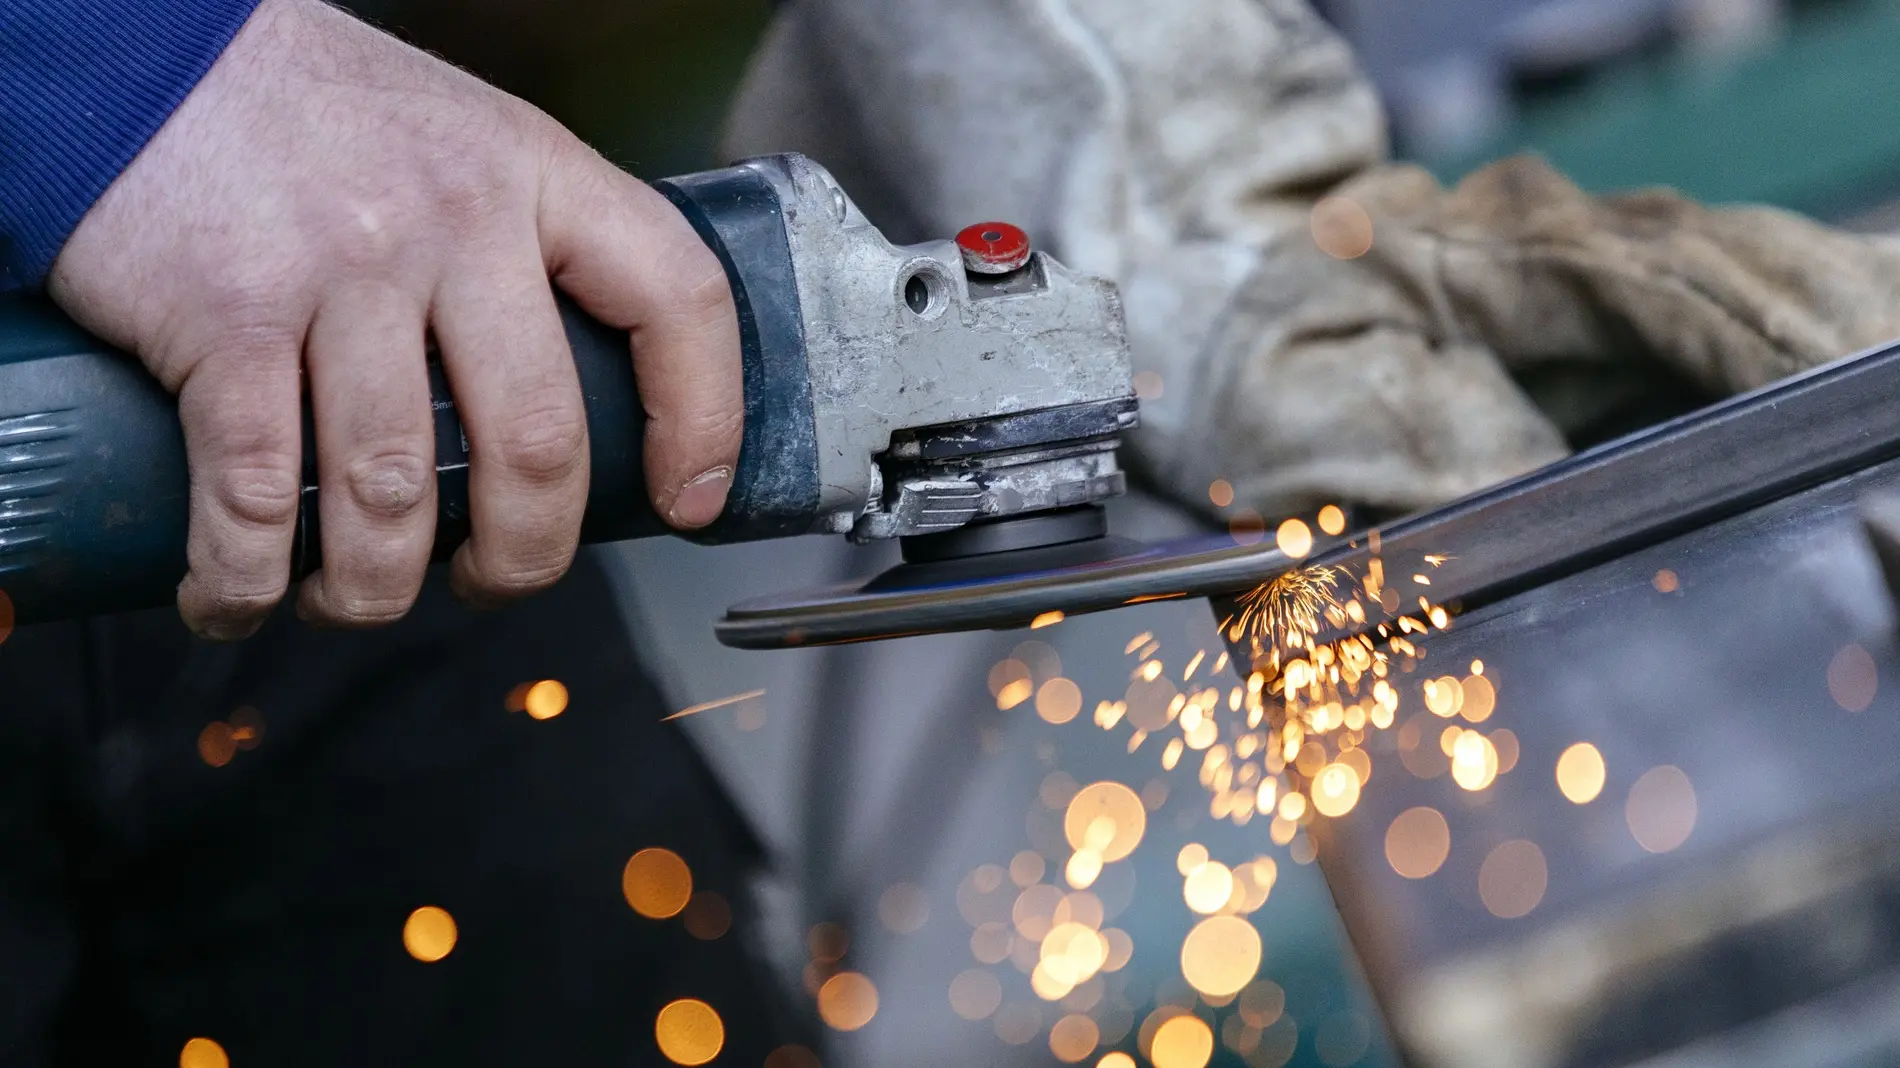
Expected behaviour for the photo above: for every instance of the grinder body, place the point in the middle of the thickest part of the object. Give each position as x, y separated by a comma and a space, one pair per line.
869, 410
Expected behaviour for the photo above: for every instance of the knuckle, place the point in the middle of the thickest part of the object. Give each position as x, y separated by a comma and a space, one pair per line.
706, 292
364, 241
389, 484
469, 187
249, 312
543, 444
261, 491
690, 287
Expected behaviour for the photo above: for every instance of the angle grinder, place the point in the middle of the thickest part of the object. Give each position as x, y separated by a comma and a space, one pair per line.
965, 396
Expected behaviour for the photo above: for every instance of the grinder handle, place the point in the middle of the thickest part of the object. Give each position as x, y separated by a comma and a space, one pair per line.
93, 479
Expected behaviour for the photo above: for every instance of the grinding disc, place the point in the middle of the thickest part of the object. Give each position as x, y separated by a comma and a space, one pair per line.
1000, 591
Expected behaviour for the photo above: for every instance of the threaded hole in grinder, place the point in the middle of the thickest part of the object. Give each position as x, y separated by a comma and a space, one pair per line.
917, 294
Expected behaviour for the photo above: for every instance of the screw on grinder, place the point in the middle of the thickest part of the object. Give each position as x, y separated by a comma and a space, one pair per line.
966, 396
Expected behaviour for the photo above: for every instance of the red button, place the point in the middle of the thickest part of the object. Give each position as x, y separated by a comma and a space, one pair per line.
994, 248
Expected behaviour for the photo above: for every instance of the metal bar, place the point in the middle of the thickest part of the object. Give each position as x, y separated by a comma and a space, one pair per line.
1591, 507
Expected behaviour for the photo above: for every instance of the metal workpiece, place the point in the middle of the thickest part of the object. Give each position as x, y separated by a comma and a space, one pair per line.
907, 350
1592, 507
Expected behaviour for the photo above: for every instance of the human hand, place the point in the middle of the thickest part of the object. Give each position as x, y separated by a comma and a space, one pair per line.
327, 199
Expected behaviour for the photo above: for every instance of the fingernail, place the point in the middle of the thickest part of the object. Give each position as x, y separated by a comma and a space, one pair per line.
702, 500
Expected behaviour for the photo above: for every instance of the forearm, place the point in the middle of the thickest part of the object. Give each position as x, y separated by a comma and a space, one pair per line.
84, 84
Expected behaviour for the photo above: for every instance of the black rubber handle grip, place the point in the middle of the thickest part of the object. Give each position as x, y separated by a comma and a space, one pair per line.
93, 482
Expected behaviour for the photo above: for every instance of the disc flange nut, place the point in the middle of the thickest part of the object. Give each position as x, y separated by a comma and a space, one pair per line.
994, 248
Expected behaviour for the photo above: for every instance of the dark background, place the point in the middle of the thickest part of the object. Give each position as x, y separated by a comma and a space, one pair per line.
644, 81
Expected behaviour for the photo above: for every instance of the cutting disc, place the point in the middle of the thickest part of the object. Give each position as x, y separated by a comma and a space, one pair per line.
999, 590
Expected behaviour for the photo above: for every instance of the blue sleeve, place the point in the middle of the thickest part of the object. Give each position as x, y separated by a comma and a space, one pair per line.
84, 84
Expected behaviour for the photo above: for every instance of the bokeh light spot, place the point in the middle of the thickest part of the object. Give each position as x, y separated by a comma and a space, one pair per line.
1058, 701
1342, 228
1081, 907
991, 942
976, 994
1247, 527
828, 942
1148, 701
1474, 761
1041, 658
1220, 956
429, 934
1083, 869
545, 699
1013, 694
847, 1001
1335, 790
657, 883
904, 908
1417, 842
1505, 742
1057, 790
1118, 804
1117, 1059
1662, 809
792, 1057
1443, 696
1580, 773
1073, 1038
1666, 581
1221, 492
1852, 678
1048, 985
1261, 1003
1512, 879
1480, 698
1035, 910
1294, 538
203, 1053
1004, 672
247, 727
1026, 868
217, 744
1183, 1042
1191, 856
1017, 1023
1332, 519
1360, 762
689, 1032
1208, 887
708, 916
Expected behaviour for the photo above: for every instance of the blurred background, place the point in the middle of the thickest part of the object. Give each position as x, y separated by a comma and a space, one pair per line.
888, 866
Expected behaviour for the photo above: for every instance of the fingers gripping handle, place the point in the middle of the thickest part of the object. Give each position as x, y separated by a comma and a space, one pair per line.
93, 480
617, 504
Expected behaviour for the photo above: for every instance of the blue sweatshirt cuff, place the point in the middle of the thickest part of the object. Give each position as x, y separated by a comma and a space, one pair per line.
84, 84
